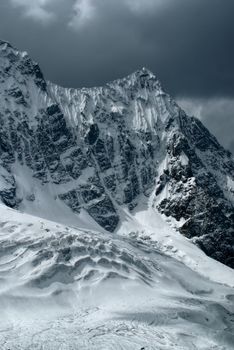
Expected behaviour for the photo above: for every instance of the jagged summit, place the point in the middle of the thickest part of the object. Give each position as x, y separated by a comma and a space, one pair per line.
7, 44
10, 51
141, 78
142, 73
17, 69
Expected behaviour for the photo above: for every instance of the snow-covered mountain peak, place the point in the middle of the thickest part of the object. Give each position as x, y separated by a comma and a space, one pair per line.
6, 49
104, 151
137, 101
17, 69
144, 74
140, 79
5, 45
140, 74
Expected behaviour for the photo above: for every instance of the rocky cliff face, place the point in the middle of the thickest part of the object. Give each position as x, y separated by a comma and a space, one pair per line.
103, 149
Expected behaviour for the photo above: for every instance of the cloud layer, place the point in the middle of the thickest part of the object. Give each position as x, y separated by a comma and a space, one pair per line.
189, 44
35, 9
82, 11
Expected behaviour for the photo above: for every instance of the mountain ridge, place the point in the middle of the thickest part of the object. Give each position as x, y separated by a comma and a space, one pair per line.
100, 149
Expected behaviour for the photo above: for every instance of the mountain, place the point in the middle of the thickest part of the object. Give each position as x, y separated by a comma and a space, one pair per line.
103, 151
107, 195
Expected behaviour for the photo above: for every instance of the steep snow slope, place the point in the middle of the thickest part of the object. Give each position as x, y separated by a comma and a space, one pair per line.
68, 288
102, 152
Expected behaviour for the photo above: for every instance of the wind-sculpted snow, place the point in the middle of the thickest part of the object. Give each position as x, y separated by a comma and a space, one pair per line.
67, 288
67, 257
104, 150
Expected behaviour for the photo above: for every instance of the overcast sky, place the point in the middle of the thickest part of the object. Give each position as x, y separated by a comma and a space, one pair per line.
188, 44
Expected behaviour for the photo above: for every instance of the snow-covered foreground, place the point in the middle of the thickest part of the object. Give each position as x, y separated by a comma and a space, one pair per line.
67, 288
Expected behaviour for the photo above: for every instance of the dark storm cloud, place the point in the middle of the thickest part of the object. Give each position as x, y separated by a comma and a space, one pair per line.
188, 44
